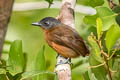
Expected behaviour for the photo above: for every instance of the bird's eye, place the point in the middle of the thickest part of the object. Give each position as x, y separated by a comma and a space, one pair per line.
46, 23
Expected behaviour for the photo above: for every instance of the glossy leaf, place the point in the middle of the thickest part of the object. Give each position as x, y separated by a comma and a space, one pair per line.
99, 27
95, 59
40, 65
16, 58
112, 36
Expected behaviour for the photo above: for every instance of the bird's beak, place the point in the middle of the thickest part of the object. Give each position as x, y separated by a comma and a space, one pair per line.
36, 24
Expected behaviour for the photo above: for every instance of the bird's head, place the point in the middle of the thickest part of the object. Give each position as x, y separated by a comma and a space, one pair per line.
47, 23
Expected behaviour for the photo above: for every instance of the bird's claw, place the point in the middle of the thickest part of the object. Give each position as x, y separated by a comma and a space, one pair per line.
63, 61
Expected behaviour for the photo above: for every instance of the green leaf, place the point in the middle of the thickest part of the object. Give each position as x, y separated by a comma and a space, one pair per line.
108, 21
96, 59
92, 3
90, 19
35, 73
107, 16
104, 11
16, 58
40, 65
99, 27
112, 36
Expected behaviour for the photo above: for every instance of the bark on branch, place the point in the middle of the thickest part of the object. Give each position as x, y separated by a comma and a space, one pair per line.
66, 16
5, 13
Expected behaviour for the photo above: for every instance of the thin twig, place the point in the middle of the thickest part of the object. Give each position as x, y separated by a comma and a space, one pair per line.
112, 54
105, 56
108, 69
101, 50
97, 65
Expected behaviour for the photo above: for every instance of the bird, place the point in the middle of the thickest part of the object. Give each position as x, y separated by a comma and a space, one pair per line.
64, 39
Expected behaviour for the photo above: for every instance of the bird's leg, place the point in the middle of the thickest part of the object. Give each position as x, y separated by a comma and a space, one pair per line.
62, 60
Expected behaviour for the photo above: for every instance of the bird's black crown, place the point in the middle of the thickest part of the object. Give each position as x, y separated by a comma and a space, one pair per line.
47, 22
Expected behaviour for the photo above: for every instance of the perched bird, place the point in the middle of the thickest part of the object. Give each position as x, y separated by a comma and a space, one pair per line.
63, 39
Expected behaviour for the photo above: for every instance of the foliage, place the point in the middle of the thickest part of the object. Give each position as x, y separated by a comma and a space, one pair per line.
27, 56
15, 68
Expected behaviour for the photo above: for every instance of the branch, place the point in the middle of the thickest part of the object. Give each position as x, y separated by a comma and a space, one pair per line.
66, 17
5, 13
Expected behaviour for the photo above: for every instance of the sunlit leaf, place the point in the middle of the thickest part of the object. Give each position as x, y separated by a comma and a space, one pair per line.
16, 58
99, 27
112, 36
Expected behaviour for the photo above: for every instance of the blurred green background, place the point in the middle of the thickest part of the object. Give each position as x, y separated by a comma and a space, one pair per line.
20, 28
40, 60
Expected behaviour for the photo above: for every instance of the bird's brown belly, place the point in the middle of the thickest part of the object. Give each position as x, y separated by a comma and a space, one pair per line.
64, 51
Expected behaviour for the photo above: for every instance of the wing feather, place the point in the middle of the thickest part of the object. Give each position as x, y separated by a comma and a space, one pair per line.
70, 38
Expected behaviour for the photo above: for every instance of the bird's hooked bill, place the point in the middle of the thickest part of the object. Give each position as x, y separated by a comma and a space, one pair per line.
36, 24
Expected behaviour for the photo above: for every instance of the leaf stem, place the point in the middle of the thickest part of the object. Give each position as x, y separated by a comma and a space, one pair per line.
106, 57
108, 69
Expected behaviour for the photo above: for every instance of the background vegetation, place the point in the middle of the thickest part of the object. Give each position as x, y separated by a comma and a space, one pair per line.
27, 56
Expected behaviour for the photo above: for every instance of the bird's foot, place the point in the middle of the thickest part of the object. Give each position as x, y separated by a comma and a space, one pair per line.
62, 60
